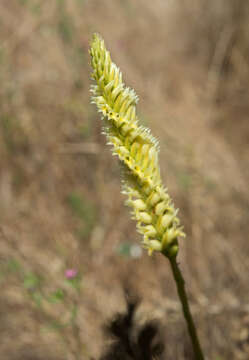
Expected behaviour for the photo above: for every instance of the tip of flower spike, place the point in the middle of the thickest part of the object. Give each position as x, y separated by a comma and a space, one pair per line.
96, 38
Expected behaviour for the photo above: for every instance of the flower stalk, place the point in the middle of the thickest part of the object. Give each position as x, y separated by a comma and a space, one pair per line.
138, 151
186, 310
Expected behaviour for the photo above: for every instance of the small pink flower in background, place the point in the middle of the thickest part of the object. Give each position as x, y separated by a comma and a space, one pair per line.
71, 273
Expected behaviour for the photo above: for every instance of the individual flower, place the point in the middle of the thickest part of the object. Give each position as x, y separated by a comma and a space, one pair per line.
71, 273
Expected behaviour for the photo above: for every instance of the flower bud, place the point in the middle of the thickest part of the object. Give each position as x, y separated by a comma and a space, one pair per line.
169, 236
149, 230
144, 217
173, 250
139, 204
160, 208
122, 151
153, 198
167, 220
155, 245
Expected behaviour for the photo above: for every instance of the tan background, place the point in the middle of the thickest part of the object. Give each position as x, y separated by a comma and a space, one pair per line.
60, 201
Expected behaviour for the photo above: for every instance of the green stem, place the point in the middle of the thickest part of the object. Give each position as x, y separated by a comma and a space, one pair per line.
186, 310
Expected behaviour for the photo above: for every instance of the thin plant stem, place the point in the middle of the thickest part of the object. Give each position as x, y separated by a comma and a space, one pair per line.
186, 309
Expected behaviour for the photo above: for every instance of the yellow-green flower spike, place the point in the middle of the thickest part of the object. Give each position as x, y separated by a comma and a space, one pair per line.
138, 151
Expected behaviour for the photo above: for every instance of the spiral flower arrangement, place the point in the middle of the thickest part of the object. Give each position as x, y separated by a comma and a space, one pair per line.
138, 151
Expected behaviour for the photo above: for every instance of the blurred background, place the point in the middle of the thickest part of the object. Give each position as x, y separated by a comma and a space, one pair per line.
60, 204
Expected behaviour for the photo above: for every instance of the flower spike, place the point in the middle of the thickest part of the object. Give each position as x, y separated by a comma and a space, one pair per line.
138, 151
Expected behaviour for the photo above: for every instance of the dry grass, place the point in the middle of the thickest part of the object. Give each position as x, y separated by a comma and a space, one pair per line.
60, 202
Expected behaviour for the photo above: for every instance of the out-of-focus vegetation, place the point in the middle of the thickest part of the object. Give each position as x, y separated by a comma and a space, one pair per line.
60, 201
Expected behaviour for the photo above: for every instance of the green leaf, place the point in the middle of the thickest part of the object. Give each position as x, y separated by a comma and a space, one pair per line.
74, 313
13, 265
57, 296
85, 211
31, 281
124, 249
66, 28
74, 283
37, 298
56, 325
